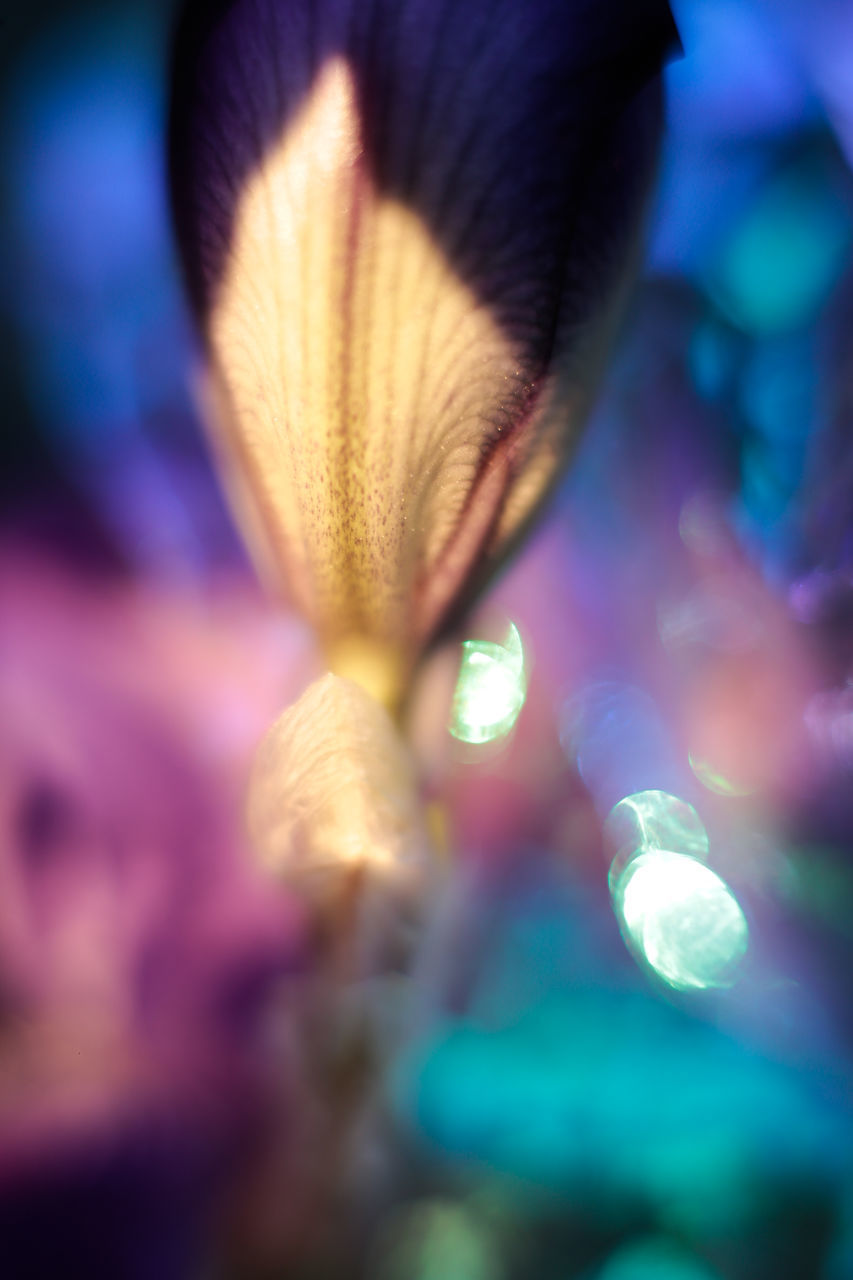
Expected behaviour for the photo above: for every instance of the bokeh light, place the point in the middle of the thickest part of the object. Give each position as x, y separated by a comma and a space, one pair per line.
682, 918
785, 254
608, 1099
656, 820
654, 1259
436, 1240
490, 690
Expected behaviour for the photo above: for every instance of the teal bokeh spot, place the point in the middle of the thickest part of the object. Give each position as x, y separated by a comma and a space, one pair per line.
655, 1258
784, 256
611, 1100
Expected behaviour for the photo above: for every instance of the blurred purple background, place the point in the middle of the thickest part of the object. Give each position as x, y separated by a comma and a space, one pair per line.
687, 612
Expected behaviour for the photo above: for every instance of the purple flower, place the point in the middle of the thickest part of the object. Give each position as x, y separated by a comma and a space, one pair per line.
405, 227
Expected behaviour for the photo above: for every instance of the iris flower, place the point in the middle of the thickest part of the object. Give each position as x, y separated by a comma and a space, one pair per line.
406, 228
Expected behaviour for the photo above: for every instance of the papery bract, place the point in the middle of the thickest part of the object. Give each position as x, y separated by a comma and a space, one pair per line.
405, 226
334, 809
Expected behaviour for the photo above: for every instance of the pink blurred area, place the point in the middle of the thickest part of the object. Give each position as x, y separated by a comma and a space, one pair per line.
137, 941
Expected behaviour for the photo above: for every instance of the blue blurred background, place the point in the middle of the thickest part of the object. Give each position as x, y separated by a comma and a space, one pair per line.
568, 1105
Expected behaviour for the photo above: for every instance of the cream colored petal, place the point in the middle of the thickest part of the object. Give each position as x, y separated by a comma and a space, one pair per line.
365, 388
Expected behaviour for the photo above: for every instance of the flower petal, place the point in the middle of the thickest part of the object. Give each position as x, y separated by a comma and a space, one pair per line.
333, 809
404, 225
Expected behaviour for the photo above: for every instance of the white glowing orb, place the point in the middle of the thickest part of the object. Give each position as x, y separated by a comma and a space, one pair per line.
491, 689
682, 918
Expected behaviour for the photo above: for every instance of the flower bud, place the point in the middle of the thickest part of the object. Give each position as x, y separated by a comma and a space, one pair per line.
405, 226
